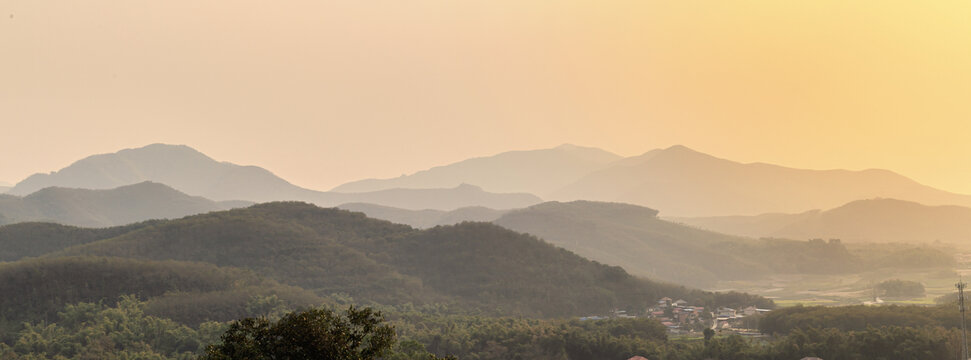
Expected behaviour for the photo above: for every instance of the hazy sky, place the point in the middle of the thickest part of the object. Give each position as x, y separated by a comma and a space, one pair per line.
322, 92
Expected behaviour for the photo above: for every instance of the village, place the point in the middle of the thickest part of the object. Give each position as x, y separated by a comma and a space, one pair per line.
680, 317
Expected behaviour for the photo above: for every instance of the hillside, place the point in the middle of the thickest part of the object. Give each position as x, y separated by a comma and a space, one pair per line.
461, 196
194, 173
37, 289
874, 220
102, 208
634, 238
683, 182
33, 239
330, 251
533, 171
424, 219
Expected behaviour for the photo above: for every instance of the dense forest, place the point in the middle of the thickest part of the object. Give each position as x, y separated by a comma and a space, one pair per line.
859, 317
126, 330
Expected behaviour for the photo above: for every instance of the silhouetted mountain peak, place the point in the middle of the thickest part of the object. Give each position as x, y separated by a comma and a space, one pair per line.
522, 171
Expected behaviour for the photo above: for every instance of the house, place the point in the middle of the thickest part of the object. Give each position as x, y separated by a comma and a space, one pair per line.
726, 312
664, 302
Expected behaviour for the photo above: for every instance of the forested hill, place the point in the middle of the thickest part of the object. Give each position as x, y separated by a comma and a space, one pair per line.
473, 265
33, 239
633, 237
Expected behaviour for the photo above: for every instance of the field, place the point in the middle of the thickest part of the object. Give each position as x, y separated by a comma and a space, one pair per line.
852, 289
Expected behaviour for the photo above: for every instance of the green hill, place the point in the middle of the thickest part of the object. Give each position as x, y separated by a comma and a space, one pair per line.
633, 237
33, 239
474, 265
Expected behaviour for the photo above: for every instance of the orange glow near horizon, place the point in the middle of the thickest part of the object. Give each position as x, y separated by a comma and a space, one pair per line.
327, 92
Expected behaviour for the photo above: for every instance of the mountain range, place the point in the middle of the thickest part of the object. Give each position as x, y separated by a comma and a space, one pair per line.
873, 220
535, 171
102, 208
634, 238
423, 219
476, 265
677, 180
683, 182
194, 173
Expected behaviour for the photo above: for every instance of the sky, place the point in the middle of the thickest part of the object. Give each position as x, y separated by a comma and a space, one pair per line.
325, 92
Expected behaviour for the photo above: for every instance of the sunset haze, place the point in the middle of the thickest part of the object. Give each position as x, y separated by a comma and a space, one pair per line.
323, 93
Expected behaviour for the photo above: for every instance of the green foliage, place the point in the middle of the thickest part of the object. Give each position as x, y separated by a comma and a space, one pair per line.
191, 293
476, 337
891, 342
900, 288
92, 331
358, 334
858, 318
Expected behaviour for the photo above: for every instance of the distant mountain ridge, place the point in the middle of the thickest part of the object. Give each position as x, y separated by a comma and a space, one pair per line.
682, 182
677, 181
178, 166
875, 220
194, 173
424, 219
101, 208
533, 171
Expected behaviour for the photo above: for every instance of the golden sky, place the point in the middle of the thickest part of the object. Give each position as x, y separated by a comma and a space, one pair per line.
323, 92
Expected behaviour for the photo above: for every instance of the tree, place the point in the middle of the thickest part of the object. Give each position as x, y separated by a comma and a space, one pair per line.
709, 333
358, 334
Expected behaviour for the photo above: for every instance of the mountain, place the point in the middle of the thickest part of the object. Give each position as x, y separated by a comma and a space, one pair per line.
194, 173
5, 186
423, 219
634, 238
463, 195
683, 182
875, 220
178, 166
475, 265
101, 208
533, 171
